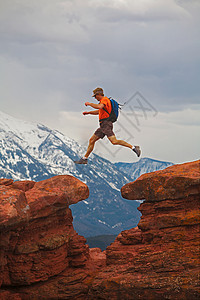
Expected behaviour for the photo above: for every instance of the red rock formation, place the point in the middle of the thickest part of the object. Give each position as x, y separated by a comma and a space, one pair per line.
42, 257
38, 243
159, 259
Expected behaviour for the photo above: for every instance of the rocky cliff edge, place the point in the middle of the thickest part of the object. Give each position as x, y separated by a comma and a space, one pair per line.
42, 257
159, 259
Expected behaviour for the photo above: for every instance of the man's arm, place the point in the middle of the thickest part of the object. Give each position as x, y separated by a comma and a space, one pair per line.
92, 112
93, 105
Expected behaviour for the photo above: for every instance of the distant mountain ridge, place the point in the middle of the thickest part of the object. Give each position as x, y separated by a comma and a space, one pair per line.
30, 151
144, 165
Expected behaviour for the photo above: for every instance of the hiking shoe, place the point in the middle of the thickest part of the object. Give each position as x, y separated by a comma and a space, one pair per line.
82, 161
137, 150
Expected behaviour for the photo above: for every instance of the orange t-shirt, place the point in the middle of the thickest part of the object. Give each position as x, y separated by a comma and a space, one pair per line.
107, 105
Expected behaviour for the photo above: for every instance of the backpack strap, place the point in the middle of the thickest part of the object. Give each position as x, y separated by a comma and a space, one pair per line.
107, 113
120, 105
105, 110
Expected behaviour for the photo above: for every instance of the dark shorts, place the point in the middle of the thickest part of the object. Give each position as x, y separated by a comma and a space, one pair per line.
106, 128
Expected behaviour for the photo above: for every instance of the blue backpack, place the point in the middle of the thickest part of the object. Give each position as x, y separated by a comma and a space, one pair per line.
114, 111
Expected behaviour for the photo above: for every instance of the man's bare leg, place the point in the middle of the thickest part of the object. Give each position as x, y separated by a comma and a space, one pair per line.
92, 141
114, 141
90, 148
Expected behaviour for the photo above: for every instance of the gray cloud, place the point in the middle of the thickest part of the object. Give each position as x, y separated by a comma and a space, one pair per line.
53, 54
139, 11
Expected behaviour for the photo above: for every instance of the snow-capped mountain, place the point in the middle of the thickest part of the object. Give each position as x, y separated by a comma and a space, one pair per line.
35, 152
144, 165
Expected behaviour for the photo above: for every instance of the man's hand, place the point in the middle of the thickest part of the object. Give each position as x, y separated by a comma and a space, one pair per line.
87, 103
85, 113
92, 112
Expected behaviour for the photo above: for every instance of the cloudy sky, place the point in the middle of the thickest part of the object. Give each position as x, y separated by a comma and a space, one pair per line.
53, 53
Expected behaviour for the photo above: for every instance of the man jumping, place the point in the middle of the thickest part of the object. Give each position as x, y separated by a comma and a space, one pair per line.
106, 127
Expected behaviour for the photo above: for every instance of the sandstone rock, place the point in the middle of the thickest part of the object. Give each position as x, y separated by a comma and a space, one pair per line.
7, 295
13, 206
37, 236
98, 257
26, 200
23, 185
72, 283
130, 237
159, 259
42, 257
174, 182
4, 181
50, 195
